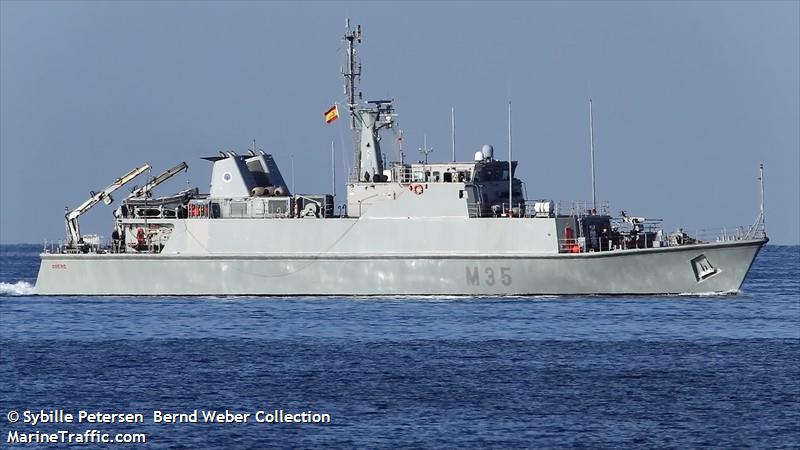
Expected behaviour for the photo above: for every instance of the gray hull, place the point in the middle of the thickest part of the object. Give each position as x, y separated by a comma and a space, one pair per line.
671, 270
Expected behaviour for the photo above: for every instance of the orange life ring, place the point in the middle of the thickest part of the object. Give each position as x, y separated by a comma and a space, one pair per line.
140, 237
418, 189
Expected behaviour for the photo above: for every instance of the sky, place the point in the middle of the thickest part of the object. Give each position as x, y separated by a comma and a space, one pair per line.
688, 99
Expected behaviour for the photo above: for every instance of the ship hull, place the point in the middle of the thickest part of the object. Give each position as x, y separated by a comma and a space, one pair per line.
692, 269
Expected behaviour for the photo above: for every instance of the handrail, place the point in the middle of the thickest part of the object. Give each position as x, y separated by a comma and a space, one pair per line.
663, 239
579, 208
727, 234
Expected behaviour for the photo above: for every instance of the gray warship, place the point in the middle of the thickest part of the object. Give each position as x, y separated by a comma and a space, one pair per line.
405, 229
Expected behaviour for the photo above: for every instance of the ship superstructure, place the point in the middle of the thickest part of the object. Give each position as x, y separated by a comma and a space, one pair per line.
424, 228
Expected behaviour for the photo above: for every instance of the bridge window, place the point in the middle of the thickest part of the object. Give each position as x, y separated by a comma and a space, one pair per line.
492, 174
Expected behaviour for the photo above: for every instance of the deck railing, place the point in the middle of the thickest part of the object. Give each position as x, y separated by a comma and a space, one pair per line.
560, 208
581, 208
727, 234
678, 238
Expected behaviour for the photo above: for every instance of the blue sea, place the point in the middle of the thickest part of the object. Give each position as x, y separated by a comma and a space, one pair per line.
552, 372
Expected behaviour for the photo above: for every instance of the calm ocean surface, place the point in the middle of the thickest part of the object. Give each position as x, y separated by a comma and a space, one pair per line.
591, 372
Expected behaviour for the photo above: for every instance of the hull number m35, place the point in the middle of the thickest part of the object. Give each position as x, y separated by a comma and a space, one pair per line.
489, 276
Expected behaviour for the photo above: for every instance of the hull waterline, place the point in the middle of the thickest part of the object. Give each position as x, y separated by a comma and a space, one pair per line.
653, 271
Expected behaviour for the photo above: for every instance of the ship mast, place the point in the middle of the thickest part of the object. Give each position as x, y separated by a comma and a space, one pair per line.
761, 184
591, 155
510, 166
353, 72
453, 132
366, 121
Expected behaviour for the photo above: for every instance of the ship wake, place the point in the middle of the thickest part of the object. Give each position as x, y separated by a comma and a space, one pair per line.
729, 292
16, 289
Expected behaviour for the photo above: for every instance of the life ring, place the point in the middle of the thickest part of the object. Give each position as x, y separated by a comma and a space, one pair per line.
418, 189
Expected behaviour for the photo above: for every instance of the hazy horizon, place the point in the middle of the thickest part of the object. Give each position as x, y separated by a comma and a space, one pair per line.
688, 99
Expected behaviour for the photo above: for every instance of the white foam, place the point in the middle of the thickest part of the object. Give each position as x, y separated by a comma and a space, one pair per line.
18, 288
710, 294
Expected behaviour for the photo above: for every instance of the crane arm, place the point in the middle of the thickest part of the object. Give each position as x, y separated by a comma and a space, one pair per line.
145, 190
105, 196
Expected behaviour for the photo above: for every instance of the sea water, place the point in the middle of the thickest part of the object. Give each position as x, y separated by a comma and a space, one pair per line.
546, 372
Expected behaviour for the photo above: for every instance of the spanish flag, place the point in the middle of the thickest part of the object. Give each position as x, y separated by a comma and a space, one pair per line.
332, 114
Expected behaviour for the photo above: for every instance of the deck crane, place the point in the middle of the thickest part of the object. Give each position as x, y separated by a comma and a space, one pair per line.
71, 218
144, 191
